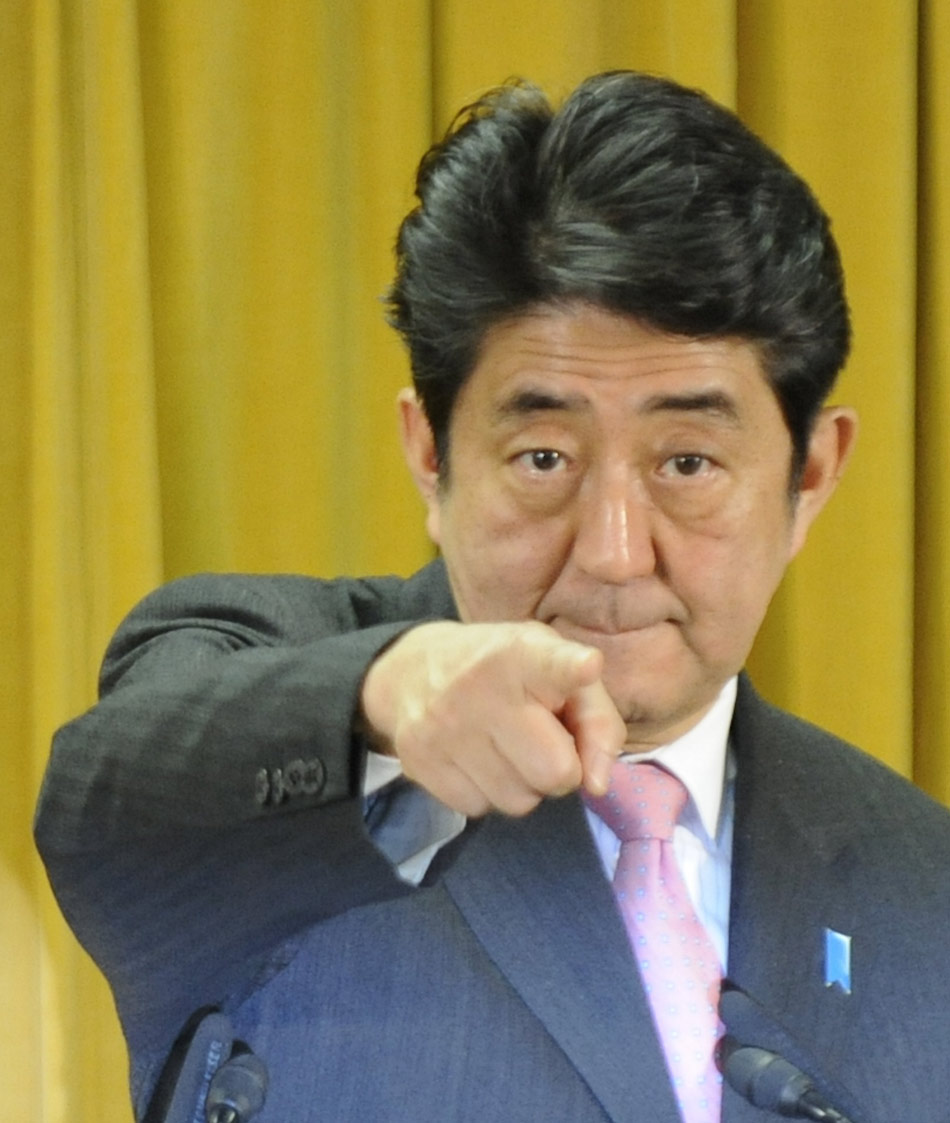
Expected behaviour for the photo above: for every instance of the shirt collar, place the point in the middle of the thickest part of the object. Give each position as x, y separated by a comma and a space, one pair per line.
698, 759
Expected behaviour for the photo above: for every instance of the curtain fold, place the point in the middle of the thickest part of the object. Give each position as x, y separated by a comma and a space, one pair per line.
842, 108
197, 209
932, 451
90, 486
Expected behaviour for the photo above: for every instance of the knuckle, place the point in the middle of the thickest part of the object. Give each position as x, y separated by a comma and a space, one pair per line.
530, 639
471, 805
556, 773
519, 804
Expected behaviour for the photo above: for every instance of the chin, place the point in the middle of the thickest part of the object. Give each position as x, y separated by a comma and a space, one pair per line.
656, 709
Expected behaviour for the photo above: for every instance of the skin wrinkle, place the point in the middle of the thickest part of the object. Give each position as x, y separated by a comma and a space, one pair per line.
714, 402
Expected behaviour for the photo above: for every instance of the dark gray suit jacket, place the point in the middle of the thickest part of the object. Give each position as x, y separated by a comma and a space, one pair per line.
203, 832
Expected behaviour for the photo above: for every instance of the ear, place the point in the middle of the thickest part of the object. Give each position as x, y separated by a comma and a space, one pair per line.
828, 451
418, 446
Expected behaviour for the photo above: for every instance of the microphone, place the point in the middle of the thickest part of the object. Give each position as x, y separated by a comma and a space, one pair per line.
747, 1021
238, 1089
208, 1076
201, 1048
772, 1083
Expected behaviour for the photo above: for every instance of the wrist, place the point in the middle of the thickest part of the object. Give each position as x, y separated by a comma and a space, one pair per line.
372, 719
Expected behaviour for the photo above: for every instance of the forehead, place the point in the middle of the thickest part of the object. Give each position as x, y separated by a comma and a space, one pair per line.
579, 360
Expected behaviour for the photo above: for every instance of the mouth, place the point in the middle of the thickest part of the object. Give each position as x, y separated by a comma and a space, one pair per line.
603, 630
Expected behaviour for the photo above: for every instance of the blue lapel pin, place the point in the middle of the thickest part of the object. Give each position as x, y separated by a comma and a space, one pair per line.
837, 960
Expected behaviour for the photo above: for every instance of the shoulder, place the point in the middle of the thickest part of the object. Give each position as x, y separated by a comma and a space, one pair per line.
832, 783
230, 612
289, 602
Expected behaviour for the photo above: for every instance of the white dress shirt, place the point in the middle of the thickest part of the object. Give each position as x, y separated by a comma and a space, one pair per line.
703, 836
410, 827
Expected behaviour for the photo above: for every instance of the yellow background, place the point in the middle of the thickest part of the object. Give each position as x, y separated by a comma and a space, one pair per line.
197, 205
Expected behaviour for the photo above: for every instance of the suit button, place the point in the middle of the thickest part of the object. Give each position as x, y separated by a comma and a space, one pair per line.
304, 777
314, 776
261, 787
293, 777
298, 778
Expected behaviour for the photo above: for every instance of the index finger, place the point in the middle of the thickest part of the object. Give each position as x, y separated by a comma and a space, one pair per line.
555, 668
599, 733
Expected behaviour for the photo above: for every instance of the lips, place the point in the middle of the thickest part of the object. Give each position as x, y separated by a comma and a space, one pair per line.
569, 626
603, 613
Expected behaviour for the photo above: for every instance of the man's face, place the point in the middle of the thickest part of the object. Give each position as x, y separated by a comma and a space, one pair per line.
628, 488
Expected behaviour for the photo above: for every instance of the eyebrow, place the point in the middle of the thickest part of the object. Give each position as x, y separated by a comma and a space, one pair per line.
714, 403
525, 402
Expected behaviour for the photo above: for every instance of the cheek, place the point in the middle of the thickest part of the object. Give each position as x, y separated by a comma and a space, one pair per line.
728, 580
500, 562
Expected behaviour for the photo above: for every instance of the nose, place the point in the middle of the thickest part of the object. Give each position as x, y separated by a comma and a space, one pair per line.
614, 540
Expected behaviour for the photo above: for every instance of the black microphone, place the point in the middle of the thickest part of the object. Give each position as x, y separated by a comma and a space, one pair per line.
772, 1083
238, 1089
204, 1044
747, 1021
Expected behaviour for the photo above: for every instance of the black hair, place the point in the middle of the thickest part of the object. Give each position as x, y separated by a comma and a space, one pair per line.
638, 196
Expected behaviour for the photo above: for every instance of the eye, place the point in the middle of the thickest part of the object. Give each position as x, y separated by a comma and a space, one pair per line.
686, 464
543, 460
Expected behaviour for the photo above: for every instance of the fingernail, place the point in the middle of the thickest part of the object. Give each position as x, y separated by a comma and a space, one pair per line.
599, 778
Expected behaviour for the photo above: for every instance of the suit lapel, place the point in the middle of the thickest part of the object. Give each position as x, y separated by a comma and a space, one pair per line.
534, 894
791, 862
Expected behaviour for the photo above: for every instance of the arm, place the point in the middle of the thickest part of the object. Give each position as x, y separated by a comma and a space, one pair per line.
181, 873
173, 873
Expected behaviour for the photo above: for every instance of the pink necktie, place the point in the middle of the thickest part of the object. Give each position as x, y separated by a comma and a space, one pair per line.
678, 964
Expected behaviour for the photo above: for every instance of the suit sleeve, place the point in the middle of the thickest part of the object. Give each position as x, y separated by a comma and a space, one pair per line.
206, 810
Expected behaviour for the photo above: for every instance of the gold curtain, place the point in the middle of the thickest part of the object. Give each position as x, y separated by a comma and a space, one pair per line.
197, 206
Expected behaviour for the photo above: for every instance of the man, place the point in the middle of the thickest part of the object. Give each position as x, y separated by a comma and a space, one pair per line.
364, 840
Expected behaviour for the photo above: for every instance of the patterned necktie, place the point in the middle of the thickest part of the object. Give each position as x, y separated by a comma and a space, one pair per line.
678, 964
